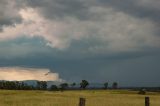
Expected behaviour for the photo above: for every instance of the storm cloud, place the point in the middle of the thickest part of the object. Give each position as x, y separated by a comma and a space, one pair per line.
9, 13
124, 33
93, 34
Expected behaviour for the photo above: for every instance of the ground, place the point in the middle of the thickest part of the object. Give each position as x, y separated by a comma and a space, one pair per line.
71, 98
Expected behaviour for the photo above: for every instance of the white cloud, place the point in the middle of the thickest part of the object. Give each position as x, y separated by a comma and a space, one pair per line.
21, 74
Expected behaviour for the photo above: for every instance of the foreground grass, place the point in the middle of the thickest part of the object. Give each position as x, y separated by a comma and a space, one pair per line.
71, 98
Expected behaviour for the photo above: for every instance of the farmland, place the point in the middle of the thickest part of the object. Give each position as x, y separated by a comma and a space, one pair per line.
71, 98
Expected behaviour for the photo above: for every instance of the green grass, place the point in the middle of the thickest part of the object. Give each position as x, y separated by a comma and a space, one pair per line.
71, 98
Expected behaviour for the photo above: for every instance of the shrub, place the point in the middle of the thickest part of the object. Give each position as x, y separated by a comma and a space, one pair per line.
142, 92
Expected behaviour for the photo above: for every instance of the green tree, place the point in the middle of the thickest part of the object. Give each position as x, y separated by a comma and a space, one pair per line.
84, 84
41, 85
44, 85
54, 88
115, 85
22, 85
64, 86
106, 85
15, 85
73, 84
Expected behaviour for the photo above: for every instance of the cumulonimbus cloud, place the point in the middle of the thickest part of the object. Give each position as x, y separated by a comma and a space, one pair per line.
21, 74
109, 29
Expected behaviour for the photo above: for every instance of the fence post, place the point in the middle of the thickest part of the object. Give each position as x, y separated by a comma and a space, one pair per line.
147, 101
82, 101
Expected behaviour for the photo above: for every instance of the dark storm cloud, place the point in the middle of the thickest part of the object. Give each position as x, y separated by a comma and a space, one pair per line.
9, 13
139, 8
74, 66
57, 9
138, 70
79, 8
117, 46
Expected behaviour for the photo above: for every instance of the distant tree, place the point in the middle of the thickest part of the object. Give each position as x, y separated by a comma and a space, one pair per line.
115, 85
1, 85
22, 85
73, 84
53, 88
26, 86
10, 85
84, 84
15, 85
41, 85
38, 86
64, 85
44, 85
106, 85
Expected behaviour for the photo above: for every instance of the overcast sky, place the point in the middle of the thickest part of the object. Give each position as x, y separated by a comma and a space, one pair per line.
96, 40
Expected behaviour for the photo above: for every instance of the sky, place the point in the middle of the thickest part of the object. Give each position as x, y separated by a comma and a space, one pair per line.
70, 40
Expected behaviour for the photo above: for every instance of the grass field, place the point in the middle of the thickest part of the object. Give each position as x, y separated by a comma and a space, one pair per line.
71, 98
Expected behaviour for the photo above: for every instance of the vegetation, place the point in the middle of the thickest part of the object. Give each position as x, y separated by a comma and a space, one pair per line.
73, 84
41, 85
71, 98
115, 85
54, 88
142, 92
84, 84
15, 85
106, 85
53, 97
63, 86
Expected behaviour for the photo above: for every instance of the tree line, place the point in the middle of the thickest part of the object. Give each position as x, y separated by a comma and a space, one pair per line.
15, 85
42, 85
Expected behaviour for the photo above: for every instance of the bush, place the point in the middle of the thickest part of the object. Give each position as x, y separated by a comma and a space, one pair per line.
54, 88
142, 92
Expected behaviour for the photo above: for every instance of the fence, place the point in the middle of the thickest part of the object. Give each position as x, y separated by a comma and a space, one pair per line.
82, 101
